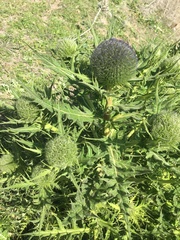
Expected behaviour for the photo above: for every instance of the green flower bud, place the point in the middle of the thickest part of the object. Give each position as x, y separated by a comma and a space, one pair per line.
61, 152
66, 48
113, 62
166, 129
26, 109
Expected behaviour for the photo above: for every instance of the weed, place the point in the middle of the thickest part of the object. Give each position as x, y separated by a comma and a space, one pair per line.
78, 161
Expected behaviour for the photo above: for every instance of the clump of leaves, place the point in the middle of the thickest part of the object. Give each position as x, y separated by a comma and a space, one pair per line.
61, 152
114, 62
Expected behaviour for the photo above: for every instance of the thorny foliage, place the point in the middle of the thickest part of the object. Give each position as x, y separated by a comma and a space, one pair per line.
125, 184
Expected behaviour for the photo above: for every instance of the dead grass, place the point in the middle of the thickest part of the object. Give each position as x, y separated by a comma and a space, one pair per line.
167, 11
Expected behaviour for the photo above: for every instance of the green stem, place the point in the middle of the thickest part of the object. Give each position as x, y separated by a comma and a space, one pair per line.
107, 111
72, 63
157, 96
107, 115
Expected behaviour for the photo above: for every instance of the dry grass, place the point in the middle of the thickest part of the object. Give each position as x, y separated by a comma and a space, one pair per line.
167, 11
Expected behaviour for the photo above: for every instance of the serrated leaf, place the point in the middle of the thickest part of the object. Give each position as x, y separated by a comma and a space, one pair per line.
44, 103
25, 129
54, 65
54, 232
73, 113
7, 164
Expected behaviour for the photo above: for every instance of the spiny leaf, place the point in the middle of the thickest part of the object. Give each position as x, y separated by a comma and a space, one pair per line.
19, 185
25, 129
54, 65
44, 103
73, 113
55, 232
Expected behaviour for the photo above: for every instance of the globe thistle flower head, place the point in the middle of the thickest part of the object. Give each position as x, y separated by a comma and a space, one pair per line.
67, 48
113, 62
26, 109
61, 152
166, 129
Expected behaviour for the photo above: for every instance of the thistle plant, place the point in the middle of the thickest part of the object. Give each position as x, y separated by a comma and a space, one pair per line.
61, 152
105, 182
113, 63
67, 47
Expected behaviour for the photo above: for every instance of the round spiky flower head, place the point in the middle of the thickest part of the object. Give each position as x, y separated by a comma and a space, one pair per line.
26, 109
166, 129
67, 47
61, 152
113, 62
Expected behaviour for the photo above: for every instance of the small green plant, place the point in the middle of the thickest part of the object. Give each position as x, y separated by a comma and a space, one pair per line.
89, 141
113, 62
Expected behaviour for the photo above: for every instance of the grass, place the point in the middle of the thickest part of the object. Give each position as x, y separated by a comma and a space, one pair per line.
123, 182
